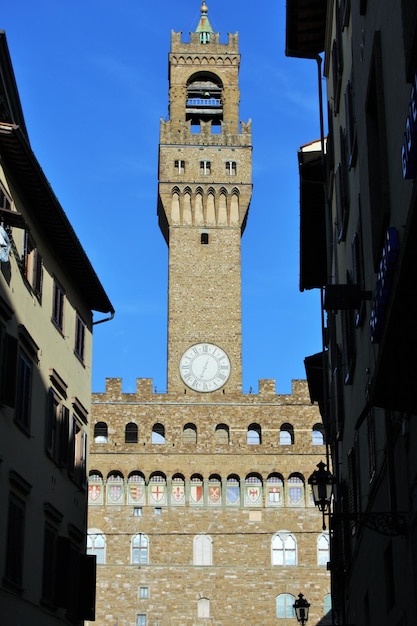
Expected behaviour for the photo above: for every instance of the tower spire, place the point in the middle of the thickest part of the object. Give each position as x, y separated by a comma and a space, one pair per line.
204, 26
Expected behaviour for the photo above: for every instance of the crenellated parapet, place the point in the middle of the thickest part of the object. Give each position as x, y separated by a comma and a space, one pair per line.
180, 132
146, 393
179, 46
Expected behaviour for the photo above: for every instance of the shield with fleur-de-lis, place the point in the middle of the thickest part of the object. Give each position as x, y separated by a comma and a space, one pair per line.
178, 494
95, 493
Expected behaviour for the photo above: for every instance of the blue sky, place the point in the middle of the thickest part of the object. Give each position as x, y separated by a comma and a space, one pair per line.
92, 77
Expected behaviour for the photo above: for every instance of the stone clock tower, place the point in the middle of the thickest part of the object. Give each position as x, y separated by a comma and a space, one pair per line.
205, 187
199, 505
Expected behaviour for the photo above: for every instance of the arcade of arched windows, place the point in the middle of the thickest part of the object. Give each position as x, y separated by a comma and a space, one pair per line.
206, 208
157, 490
221, 434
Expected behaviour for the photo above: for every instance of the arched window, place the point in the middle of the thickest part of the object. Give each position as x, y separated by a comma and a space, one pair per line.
95, 487
274, 490
253, 490
158, 433
214, 489
254, 434
285, 605
323, 549
96, 544
286, 435
189, 433
136, 491
131, 433
178, 489
203, 550
221, 434
295, 490
203, 608
204, 98
139, 549
284, 549
157, 489
317, 435
114, 491
101, 433
233, 490
196, 489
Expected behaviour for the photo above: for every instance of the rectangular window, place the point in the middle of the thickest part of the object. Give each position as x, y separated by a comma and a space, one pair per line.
337, 60
143, 592
15, 541
77, 453
358, 272
8, 367
57, 429
49, 564
350, 125
180, 166
348, 345
33, 266
371, 444
353, 484
342, 191
58, 306
377, 152
205, 168
23, 391
141, 620
79, 338
231, 168
137, 511
5, 202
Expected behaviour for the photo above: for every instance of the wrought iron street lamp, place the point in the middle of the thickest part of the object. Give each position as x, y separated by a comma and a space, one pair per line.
321, 481
392, 523
301, 607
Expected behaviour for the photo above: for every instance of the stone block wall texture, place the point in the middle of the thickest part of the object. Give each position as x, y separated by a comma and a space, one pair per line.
241, 584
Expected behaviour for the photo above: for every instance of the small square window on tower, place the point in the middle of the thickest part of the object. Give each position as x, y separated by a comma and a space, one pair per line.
231, 168
205, 167
204, 239
179, 166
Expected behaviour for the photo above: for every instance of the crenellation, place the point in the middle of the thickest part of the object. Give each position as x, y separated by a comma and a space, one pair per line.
180, 46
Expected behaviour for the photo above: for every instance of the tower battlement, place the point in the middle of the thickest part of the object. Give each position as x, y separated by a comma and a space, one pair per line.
145, 392
180, 132
178, 45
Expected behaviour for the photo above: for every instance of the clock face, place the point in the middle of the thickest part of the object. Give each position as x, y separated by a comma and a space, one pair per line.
205, 367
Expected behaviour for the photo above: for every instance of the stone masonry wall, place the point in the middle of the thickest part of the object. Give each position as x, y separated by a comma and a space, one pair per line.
241, 584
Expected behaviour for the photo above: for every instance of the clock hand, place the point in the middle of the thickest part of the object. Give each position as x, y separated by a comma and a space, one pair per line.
204, 368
